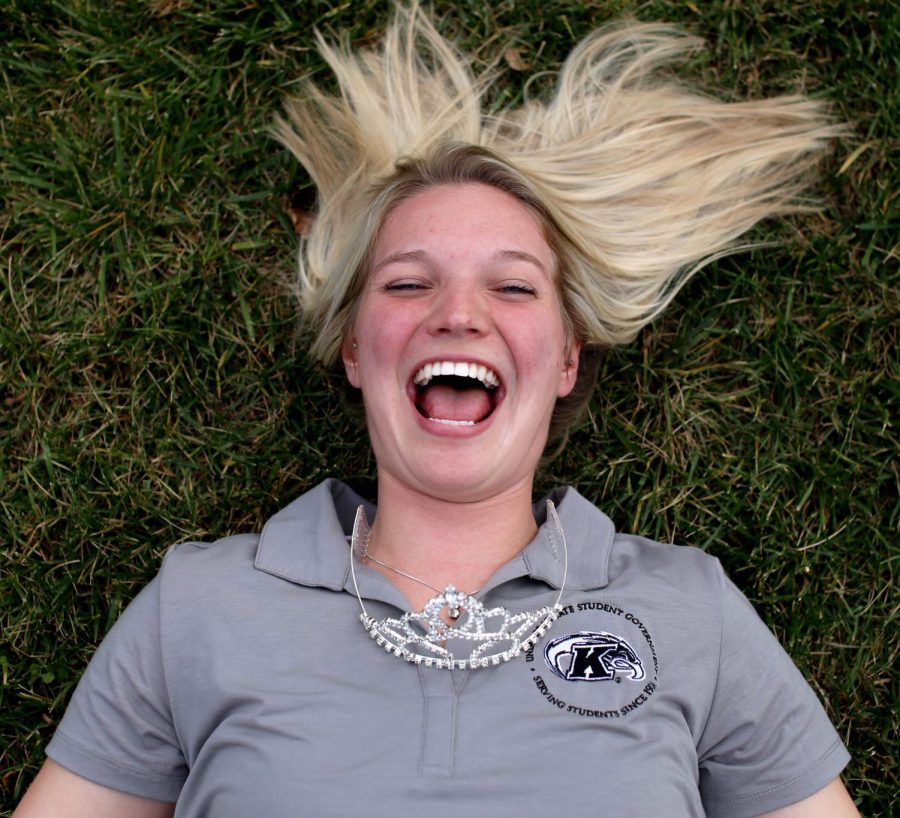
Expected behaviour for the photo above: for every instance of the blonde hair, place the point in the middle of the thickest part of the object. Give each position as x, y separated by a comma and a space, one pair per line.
639, 180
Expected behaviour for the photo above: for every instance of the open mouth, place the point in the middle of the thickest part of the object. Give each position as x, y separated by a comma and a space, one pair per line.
456, 393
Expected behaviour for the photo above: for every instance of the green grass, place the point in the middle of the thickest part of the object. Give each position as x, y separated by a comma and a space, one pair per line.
153, 387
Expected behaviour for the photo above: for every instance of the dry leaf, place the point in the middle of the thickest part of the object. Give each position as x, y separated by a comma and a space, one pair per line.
514, 60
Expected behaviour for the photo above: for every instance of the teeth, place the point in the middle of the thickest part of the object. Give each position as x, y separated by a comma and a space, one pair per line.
460, 369
452, 422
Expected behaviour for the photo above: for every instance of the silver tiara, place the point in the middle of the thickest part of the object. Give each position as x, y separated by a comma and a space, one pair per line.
495, 634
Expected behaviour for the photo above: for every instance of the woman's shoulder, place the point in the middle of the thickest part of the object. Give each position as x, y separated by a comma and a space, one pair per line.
230, 547
639, 564
685, 567
303, 542
228, 555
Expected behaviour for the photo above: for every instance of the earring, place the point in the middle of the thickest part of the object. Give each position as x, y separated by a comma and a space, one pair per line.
355, 345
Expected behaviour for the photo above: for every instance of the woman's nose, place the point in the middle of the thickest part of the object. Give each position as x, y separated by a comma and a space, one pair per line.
459, 310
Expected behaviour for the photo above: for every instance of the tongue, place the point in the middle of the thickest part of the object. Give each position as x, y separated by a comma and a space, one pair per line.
446, 403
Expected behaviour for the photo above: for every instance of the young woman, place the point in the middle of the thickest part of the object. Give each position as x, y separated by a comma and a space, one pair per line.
463, 650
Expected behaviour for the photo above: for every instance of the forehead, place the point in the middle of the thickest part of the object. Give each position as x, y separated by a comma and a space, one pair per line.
462, 220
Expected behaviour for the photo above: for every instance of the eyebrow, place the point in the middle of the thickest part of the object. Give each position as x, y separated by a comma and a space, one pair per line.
421, 256
519, 255
400, 258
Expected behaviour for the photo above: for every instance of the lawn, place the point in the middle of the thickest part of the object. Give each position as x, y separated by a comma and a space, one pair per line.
154, 387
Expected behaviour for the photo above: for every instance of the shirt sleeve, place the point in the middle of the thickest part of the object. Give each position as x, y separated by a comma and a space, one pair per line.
118, 730
767, 742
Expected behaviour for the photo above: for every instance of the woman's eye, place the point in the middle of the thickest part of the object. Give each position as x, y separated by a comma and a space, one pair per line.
403, 286
517, 289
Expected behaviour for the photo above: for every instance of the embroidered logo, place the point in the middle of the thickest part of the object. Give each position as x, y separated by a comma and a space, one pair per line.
593, 656
602, 642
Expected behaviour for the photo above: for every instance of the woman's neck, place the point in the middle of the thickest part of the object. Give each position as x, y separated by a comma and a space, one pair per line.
447, 543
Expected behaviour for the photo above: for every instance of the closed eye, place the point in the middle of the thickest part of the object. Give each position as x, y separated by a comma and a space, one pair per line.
405, 285
516, 289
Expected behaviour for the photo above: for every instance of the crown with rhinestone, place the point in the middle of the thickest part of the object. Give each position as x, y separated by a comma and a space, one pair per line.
495, 635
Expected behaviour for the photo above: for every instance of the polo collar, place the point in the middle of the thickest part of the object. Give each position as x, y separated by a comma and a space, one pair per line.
307, 541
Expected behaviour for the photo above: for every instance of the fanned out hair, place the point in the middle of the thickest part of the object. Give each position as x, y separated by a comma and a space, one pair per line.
638, 180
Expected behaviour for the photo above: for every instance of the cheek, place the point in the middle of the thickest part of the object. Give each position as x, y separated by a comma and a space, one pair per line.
383, 338
367, 328
543, 340
381, 334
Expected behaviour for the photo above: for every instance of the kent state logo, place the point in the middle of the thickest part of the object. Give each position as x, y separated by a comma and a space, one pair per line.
589, 656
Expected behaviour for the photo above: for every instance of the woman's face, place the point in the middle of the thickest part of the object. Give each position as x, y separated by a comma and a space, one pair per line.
461, 282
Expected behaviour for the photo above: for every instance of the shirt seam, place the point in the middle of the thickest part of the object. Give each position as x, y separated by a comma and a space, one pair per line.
720, 574
118, 766
163, 663
817, 764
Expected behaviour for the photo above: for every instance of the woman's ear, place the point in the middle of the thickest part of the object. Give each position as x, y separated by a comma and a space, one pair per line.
349, 351
569, 374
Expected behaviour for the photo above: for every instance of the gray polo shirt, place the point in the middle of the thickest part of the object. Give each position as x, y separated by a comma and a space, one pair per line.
241, 682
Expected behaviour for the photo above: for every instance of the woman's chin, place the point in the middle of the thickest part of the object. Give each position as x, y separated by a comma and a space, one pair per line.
470, 488
458, 461
468, 476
